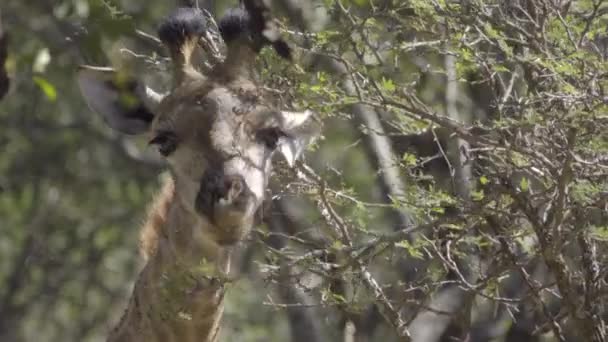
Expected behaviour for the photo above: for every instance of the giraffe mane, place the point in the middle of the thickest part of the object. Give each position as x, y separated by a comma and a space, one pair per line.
156, 219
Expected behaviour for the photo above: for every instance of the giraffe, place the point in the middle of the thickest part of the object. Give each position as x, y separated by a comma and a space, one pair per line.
218, 134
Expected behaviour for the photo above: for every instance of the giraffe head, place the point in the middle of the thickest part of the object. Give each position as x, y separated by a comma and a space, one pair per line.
216, 132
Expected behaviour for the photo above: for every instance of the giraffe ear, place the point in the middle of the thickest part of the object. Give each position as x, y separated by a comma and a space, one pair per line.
299, 130
125, 103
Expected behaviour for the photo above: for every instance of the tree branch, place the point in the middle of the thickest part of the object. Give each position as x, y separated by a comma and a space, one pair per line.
4, 80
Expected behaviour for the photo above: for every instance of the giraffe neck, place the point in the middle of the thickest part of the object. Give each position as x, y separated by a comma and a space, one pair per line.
239, 63
179, 293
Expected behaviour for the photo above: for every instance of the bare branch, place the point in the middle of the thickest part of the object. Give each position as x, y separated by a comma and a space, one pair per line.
4, 80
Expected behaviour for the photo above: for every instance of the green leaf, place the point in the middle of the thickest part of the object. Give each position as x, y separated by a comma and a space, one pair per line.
500, 68
409, 159
483, 180
412, 250
477, 195
490, 31
388, 85
338, 297
599, 232
523, 184
438, 210
337, 245
47, 88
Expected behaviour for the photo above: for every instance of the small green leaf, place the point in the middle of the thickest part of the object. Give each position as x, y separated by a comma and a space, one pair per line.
316, 88
523, 184
337, 245
500, 68
388, 85
477, 195
47, 88
483, 180
438, 210
490, 31
409, 159
412, 250
599, 232
338, 297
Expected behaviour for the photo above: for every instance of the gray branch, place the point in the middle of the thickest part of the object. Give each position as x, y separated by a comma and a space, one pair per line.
303, 322
4, 80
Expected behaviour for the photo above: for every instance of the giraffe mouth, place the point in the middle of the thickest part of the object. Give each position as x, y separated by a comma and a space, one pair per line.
226, 202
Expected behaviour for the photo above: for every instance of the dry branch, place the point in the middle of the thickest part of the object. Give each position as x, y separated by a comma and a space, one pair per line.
4, 80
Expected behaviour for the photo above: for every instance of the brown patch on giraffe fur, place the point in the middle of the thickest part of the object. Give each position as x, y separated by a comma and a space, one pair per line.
156, 219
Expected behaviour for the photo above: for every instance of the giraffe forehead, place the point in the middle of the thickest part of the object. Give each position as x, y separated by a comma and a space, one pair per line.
202, 107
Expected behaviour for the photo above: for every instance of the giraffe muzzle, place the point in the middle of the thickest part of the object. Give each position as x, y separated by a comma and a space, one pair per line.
222, 195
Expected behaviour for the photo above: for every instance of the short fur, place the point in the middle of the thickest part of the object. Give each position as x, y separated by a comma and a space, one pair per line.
254, 25
156, 219
183, 24
180, 32
234, 24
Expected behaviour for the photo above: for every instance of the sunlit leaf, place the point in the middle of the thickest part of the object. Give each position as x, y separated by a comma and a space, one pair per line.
483, 180
388, 85
523, 184
47, 88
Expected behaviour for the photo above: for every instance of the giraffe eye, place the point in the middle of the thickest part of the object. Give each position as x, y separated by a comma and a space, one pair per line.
166, 142
269, 137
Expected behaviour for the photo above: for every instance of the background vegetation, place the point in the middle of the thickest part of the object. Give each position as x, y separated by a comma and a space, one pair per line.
459, 191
